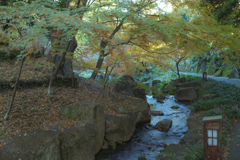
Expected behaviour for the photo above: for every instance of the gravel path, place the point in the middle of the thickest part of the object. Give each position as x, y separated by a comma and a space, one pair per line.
234, 153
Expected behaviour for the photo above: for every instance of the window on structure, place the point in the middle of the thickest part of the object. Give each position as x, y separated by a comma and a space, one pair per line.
212, 137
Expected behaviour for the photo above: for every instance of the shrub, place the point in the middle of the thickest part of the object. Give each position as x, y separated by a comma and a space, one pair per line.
191, 78
169, 155
202, 105
195, 153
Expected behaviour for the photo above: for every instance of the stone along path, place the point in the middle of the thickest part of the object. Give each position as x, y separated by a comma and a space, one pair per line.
234, 153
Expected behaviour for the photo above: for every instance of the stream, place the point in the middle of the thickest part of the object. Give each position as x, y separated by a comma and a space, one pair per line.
148, 141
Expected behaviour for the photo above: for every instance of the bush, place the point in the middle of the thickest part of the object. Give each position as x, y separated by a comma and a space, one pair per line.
195, 153
203, 105
191, 78
168, 155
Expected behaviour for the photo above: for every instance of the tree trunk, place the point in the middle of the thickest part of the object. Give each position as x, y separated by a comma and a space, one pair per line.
100, 59
65, 69
178, 69
14, 91
103, 45
55, 71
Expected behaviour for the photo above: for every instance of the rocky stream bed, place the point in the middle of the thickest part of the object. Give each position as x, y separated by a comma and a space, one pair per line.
148, 141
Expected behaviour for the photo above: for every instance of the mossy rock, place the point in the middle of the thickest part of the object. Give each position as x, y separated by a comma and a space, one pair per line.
174, 107
192, 137
160, 100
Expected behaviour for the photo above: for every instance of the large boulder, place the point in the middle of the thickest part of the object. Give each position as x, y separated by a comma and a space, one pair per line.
36, 144
78, 142
157, 113
186, 94
164, 125
88, 111
136, 107
133, 112
180, 80
54, 143
192, 137
119, 129
127, 86
186, 84
194, 123
159, 98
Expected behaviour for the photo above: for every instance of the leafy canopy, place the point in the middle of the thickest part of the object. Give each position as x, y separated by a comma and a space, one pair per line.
146, 33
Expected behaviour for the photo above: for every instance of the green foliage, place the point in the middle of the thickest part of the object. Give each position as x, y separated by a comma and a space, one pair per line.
227, 96
172, 156
217, 62
224, 139
147, 74
218, 73
191, 78
113, 145
211, 69
226, 71
119, 142
170, 88
203, 105
232, 113
226, 11
162, 85
195, 153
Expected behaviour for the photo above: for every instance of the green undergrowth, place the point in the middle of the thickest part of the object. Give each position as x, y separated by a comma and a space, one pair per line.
195, 153
226, 98
226, 102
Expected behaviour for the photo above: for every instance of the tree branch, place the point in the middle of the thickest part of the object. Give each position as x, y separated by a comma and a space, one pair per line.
150, 51
14, 91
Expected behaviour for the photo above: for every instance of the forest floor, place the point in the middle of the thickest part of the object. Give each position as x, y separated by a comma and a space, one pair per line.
33, 107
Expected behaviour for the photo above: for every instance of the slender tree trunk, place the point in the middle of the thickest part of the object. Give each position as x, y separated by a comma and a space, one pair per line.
65, 69
55, 71
103, 45
100, 59
14, 91
106, 80
177, 63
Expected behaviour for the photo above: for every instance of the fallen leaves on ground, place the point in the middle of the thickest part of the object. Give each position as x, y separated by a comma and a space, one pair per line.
33, 108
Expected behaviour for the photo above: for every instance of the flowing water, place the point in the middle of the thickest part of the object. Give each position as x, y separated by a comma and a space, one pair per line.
148, 141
